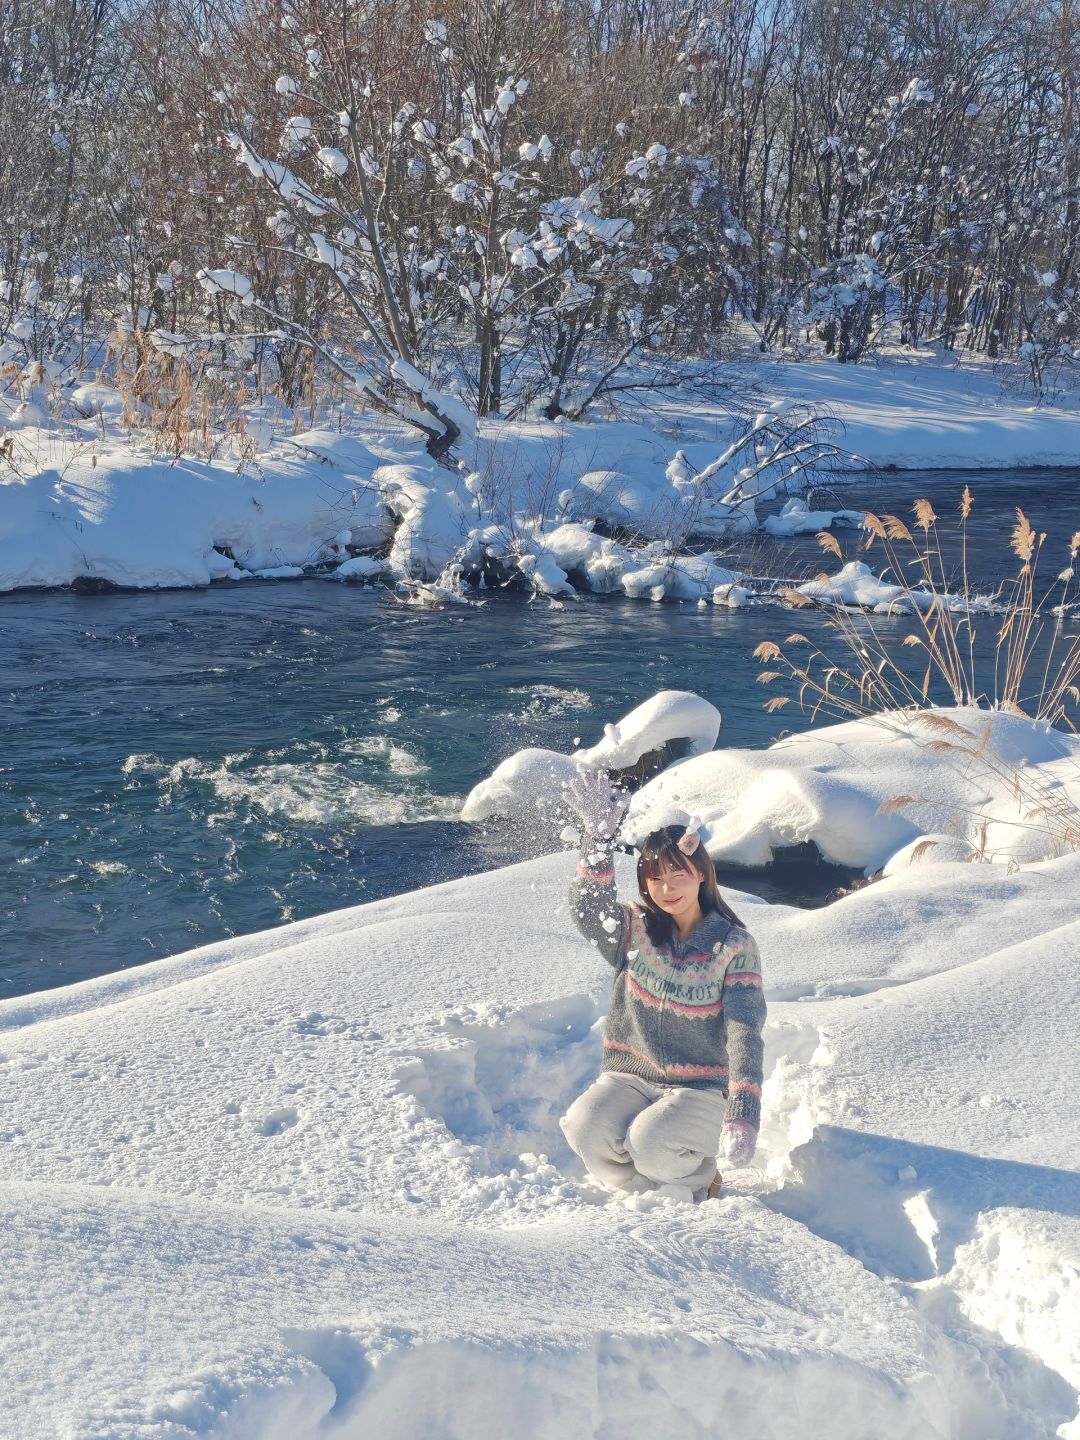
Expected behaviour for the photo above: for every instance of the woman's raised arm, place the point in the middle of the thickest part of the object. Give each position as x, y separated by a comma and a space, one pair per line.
594, 903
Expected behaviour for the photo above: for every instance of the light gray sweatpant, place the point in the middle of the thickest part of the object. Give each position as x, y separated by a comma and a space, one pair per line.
623, 1127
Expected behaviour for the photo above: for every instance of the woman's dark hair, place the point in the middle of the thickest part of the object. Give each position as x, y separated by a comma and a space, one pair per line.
661, 849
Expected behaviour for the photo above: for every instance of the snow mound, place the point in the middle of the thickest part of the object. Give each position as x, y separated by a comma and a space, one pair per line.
666, 716
855, 584
433, 520
619, 499
138, 519
533, 779
360, 567
930, 849
529, 779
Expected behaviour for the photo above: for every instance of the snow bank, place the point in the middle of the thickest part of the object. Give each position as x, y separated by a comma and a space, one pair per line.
105, 509
828, 786
110, 512
94, 505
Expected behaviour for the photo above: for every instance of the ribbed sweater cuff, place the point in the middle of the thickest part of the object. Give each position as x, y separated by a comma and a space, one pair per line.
600, 872
744, 1104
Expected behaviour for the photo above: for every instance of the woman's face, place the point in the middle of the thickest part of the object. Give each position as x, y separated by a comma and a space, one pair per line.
674, 890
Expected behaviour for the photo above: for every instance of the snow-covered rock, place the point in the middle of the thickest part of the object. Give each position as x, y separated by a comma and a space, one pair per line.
796, 518
360, 567
666, 716
856, 584
529, 779
544, 573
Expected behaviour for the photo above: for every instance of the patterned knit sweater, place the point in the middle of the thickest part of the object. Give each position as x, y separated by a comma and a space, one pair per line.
689, 1013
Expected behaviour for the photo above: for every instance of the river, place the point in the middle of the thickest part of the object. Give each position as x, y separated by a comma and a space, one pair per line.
181, 766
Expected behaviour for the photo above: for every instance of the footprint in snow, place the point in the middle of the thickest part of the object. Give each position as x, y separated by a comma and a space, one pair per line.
277, 1121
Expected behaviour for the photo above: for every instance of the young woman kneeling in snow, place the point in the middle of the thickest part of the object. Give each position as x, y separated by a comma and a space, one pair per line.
682, 1064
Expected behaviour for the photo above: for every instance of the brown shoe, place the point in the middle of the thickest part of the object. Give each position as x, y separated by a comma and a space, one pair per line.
715, 1186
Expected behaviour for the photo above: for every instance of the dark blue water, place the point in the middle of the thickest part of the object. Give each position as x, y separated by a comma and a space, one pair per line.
182, 766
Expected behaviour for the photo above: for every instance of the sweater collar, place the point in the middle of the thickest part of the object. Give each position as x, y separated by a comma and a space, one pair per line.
710, 928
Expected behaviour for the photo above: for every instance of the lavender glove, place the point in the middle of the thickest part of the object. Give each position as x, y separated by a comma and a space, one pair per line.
738, 1141
590, 795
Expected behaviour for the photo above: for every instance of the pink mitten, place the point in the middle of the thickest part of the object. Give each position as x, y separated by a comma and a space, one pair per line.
738, 1141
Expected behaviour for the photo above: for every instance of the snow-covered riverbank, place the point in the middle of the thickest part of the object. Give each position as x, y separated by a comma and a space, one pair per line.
311, 1181
86, 503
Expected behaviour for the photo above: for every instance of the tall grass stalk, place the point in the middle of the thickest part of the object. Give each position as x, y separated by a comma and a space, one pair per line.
872, 680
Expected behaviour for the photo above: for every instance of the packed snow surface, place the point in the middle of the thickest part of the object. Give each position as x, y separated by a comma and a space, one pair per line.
310, 1182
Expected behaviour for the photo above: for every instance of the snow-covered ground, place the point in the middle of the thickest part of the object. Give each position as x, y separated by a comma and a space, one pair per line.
85, 501
920, 410
310, 1182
